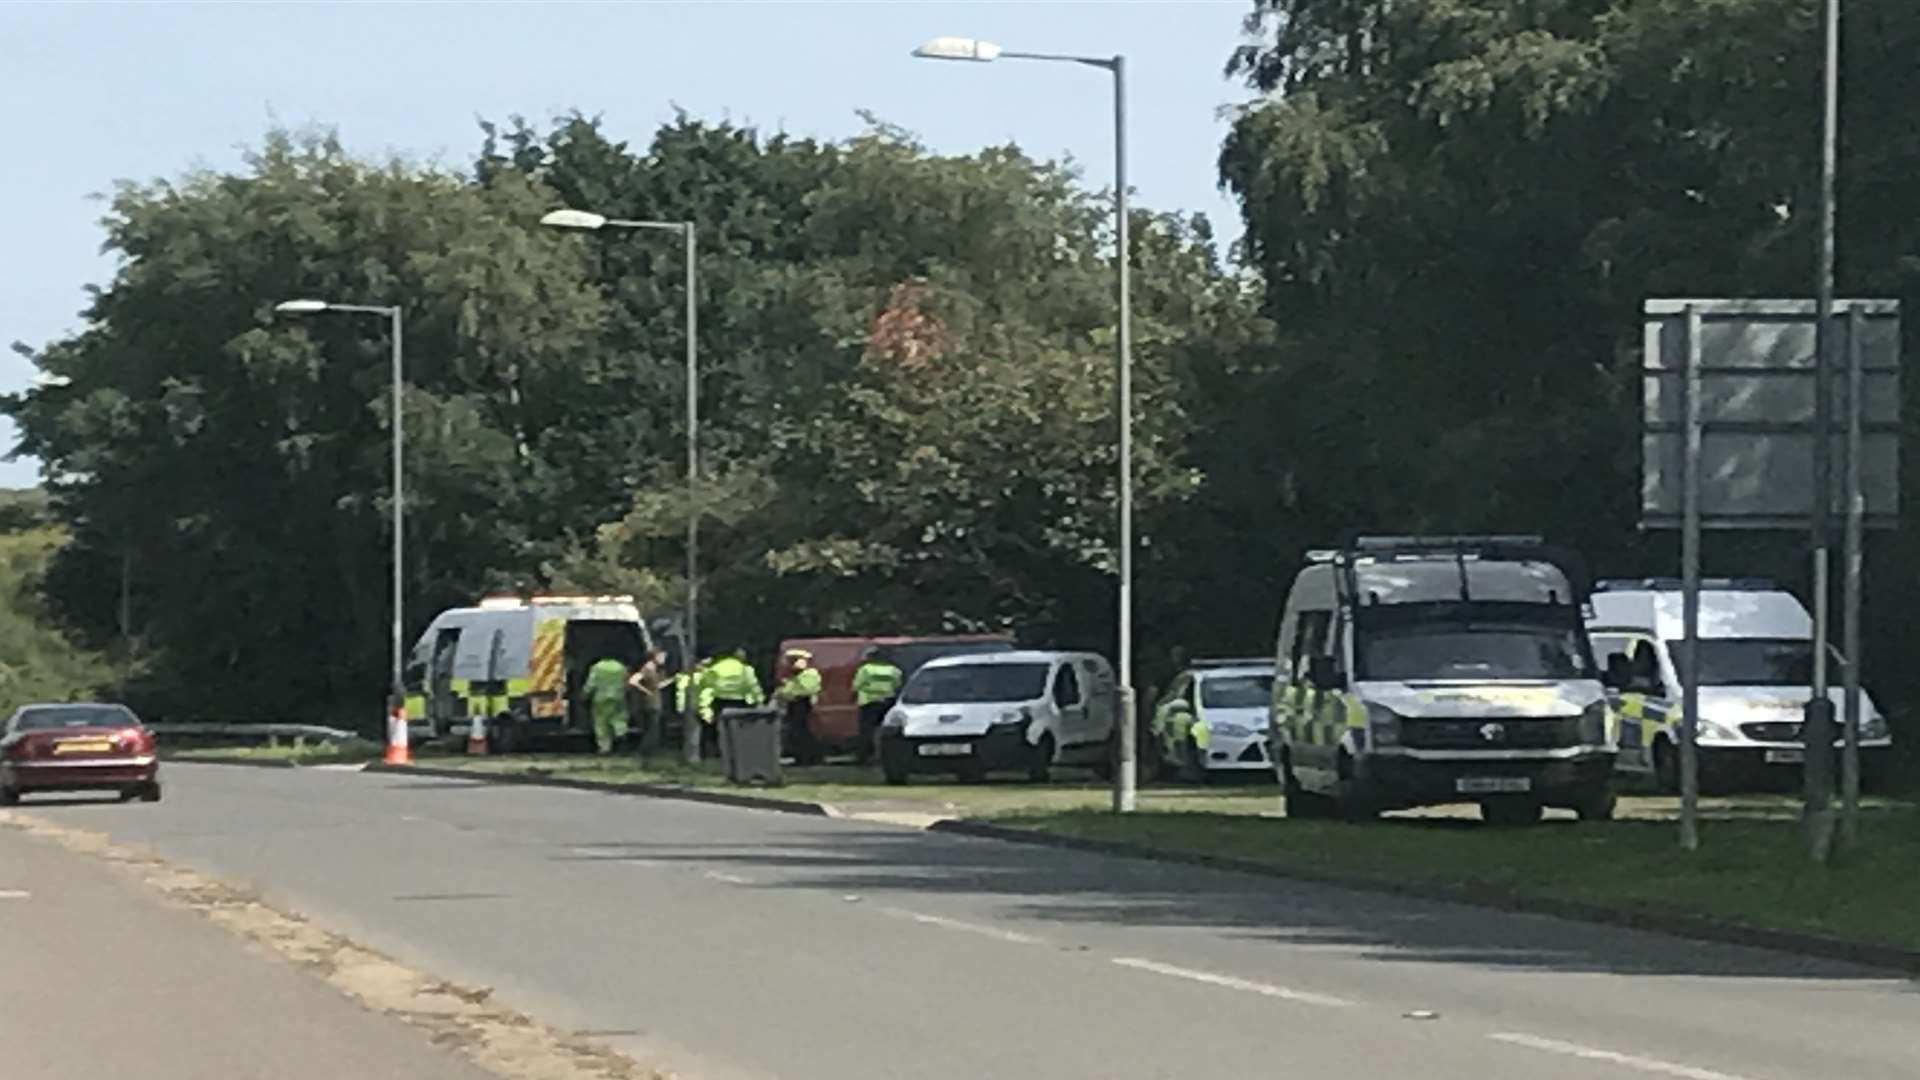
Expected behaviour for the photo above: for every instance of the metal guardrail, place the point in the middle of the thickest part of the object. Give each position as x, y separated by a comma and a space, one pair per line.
250, 732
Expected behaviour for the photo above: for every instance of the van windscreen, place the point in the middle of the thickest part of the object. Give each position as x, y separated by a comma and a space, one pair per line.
1420, 651
1752, 661
962, 684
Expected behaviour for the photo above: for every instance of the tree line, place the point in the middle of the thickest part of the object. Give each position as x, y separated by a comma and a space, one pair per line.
1452, 213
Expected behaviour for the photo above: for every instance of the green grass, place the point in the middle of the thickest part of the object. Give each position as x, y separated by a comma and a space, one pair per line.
296, 752
1747, 872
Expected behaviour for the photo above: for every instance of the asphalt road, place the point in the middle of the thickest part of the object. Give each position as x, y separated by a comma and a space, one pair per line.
744, 944
98, 978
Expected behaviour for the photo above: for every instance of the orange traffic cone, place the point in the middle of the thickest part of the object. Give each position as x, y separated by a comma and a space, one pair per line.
477, 736
397, 752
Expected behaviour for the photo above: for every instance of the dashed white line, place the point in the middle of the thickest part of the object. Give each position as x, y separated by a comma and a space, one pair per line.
1011, 936
1629, 1061
1302, 997
13, 894
730, 879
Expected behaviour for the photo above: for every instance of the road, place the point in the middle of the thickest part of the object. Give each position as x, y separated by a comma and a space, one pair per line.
99, 978
744, 944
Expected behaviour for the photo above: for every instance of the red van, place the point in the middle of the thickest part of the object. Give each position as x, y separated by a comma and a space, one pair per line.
836, 720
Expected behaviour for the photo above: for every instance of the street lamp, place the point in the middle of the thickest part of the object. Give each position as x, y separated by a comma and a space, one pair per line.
311, 307
588, 221
977, 51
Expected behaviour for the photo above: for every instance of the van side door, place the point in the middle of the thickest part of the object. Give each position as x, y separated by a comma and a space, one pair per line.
1069, 705
443, 706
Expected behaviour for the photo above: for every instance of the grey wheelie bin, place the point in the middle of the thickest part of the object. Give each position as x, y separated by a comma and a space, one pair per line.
750, 745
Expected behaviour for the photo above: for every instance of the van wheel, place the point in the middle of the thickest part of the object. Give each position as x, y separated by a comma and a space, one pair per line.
9, 796
1040, 760
1666, 768
1109, 762
1511, 811
1597, 803
1301, 803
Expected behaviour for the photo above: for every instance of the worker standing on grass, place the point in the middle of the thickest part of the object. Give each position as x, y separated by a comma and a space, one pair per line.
728, 684
876, 683
606, 692
797, 692
693, 701
645, 686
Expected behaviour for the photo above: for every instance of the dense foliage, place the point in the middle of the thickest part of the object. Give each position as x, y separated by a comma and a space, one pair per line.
1453, 211
37, 662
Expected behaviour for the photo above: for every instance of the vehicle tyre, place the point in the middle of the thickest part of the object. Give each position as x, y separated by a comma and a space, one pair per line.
893, 764
1040, 760
1511, 811
503, 736
151, 792
1596, 803
1301, 803
1666, 768
1109, 762
9, 796
132, 793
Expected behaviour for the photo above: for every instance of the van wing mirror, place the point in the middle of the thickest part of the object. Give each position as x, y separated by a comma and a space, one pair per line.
1321, 673
1619, 673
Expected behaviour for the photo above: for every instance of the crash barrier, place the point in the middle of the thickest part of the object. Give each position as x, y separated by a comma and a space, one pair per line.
190, 732
750, 745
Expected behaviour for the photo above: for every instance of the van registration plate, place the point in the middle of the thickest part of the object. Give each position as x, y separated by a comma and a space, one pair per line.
947, 749
1786, 757
1492, 785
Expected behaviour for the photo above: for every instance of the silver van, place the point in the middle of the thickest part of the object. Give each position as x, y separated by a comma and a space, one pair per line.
1756, 674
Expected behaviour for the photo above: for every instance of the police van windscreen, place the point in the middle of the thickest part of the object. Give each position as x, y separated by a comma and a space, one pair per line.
1471, 652
1236, 691
964, 684
1416, 581
1752, 661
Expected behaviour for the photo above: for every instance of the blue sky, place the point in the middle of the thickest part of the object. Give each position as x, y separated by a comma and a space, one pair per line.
101, 92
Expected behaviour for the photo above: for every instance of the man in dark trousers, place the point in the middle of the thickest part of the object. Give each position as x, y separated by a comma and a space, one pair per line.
876, 683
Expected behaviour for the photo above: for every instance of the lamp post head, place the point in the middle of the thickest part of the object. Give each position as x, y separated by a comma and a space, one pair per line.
300, 307
574, 219
958, 48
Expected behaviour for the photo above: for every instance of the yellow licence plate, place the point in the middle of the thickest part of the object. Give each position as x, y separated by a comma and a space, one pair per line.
90, 746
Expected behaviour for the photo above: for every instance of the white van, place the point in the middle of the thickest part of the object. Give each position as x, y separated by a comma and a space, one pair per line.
1756, 671
1021, 710
1414, 671
518, 662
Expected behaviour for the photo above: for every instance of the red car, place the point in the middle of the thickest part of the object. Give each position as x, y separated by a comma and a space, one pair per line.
77, 748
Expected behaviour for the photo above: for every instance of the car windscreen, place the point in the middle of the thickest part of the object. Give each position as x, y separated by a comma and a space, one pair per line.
71, 716
1236, 691
1752, 661
1471, 652
960, 684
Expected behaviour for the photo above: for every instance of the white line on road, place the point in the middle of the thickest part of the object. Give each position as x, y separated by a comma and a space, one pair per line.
731, 879
1302, 997
1588, 1053
13, 894
1011, 936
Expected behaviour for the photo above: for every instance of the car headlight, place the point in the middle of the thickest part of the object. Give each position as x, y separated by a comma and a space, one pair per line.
1874, 727
1231, 731
894, 719
1023, 716
1593, 725
1383, 725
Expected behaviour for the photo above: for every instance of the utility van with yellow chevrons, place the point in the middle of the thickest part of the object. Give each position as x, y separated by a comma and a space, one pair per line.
1415, 671
519, 663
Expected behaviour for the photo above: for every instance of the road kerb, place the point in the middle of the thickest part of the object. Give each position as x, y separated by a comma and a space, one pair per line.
657, 791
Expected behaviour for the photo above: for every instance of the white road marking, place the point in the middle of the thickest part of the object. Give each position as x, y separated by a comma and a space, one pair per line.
602, 855
1302, 997
1011, 936
731, 879
13, 894
1629, 1061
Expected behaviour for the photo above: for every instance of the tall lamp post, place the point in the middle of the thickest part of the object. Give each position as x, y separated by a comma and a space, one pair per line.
310, 307
590, 222
976, 51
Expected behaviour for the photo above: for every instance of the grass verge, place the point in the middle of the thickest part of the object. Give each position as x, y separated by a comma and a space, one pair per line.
296, 752
1749, 873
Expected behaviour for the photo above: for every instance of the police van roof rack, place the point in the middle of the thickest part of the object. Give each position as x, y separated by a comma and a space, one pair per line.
1221, 662
1459, 547
1445, 543
1666, 584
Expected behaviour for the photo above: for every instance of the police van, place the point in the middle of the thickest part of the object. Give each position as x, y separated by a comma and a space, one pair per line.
519, 662
1416, 671
1756, 675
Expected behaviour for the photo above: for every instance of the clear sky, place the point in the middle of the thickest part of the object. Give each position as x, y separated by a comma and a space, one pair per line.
97, 92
